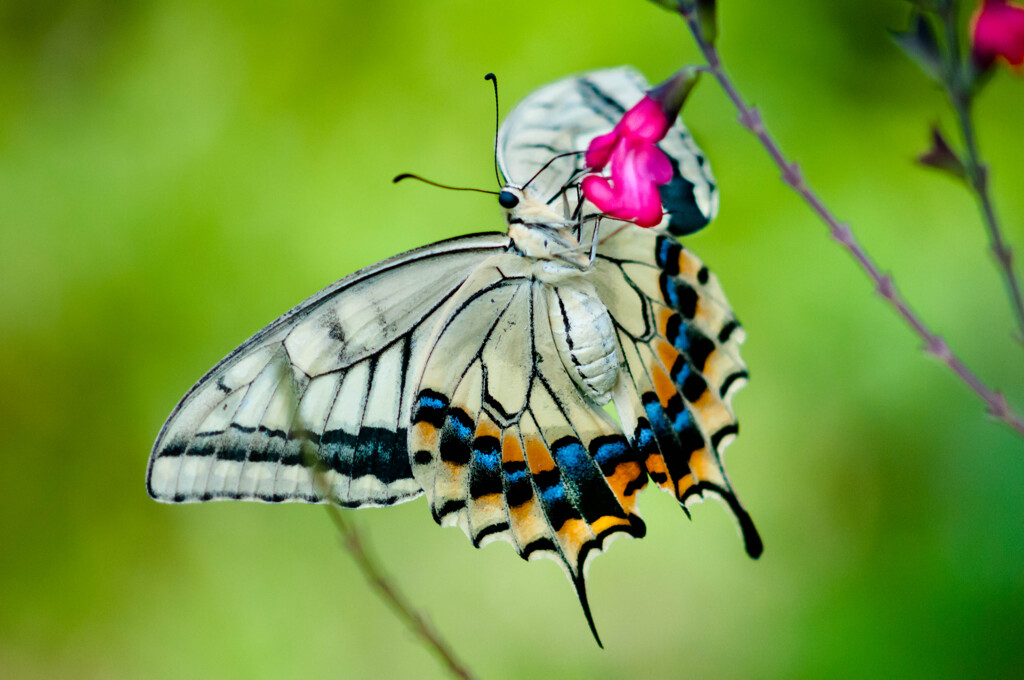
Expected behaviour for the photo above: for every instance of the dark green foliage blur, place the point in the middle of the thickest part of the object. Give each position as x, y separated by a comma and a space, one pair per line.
175, 174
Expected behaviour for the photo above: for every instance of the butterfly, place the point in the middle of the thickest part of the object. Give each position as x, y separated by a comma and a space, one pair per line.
528, 383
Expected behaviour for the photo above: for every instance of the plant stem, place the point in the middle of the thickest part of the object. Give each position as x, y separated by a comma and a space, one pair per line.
958, 89
841, 232
353, 543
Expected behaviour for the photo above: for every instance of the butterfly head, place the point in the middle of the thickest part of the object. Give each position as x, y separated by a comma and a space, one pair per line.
538, 231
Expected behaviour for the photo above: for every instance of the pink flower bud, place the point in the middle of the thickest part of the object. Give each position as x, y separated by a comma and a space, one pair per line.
997, 30
637, 165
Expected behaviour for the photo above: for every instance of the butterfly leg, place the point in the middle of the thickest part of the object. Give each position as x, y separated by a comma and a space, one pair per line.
594, 241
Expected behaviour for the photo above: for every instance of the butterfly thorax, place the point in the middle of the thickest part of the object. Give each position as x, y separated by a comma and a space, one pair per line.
537, 231
581, 325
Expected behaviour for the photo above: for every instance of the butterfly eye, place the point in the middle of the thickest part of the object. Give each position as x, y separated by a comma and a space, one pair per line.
508, 200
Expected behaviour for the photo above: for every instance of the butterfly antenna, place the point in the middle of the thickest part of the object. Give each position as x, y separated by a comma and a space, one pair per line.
548, 164
497, 119
409, 175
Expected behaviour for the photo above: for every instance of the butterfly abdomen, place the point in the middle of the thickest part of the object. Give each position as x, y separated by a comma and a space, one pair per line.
585, 337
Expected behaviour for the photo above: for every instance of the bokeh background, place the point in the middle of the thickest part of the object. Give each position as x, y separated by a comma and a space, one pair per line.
175, 174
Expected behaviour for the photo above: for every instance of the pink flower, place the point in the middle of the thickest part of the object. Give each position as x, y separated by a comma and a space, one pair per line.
997, 30
636, 164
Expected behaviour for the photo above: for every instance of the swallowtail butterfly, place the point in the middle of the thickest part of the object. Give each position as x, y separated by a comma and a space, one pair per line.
476, 371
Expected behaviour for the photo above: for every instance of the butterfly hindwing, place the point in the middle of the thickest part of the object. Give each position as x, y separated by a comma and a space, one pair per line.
680, 374
504, 442
327, 385
678, 335
564, 116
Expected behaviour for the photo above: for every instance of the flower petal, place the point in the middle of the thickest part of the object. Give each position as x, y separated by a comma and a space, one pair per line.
599, 191
648, 210
655, 164
644, 121
600, 150
998, 31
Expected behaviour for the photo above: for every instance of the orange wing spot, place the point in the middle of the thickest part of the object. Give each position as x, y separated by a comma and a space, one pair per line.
485, 428
454, 471
491, 500
711, 412
527, 522
655, 464
487, 510
684, 484
538, 457
510, 449
704, 467
663, 385
573, 534
689, 265
664, 315
624, 475
425, 434
709, 316
666, 352
602, 524
713, 368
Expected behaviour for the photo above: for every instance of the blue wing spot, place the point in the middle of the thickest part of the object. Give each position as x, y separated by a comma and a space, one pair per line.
666, 254
519, 490
682, 420
485, 473
460, 423
487, 453
679, 295
680, 371
656, 415
646, 444
456, 437
553, 494
674, 334
556, 505
430, 408
608, 452
571, 457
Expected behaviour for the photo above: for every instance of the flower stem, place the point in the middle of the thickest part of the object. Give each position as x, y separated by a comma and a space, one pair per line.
959, 92
353, 543
842, 233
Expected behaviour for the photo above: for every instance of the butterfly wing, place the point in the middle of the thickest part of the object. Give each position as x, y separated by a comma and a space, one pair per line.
505, 444
680, 342
566, 115
328, 384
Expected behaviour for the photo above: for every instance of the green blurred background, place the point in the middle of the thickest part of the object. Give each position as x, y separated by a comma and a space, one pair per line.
175, 174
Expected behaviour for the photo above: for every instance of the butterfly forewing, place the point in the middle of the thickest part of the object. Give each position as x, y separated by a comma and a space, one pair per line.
327, 385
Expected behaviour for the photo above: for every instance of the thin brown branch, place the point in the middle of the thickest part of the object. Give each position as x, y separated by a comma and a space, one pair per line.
842, 233
372, 572
417, 623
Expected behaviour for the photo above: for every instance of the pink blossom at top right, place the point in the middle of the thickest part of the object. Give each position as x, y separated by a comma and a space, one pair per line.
997, 30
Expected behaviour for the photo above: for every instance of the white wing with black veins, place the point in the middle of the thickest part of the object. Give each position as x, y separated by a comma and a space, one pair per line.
328, 384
